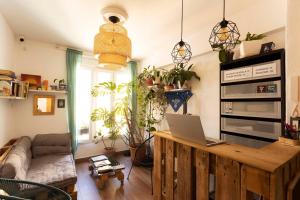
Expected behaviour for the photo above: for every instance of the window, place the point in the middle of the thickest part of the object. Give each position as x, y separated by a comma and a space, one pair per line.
85, 103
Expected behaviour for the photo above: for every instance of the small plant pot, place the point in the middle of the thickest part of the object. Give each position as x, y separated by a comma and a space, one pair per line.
110, 151
149, 82
168, 87
250, 48
140, 155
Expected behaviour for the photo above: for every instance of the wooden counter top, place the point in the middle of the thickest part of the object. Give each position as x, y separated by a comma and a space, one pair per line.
268, 158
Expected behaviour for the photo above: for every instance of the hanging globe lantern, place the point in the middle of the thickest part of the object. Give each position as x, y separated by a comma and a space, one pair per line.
224, 35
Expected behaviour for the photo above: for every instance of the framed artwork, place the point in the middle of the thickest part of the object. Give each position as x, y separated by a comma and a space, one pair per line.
33, 80
60, 103
267, 47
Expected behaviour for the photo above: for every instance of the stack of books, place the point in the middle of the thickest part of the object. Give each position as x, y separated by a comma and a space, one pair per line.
6, 78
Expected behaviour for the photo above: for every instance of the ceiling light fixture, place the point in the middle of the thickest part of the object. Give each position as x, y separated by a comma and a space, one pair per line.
224, 35
181, 52
112, 47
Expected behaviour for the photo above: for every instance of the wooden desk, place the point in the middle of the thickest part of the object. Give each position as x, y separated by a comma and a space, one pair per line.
182, 168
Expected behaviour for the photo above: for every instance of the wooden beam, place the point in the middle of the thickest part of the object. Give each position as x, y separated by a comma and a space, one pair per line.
202, 175
184, 185
227, 179
169, 170
157, 176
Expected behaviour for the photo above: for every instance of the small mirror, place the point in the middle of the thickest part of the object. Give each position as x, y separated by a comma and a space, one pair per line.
43, 105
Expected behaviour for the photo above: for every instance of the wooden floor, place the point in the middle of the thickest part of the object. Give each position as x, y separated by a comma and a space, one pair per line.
138, 187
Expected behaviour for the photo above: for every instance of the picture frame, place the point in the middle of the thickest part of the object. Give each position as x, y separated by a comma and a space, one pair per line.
33, 80
61, 103
267, 47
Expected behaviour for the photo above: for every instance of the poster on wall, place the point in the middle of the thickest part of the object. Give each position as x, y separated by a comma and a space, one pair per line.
264, 70
237, 74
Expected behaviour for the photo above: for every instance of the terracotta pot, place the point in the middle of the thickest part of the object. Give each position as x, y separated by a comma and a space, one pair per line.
140, 155
168, 87
149, 81
109, 151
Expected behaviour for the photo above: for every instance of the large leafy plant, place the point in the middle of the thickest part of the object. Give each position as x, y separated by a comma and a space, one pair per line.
108, 117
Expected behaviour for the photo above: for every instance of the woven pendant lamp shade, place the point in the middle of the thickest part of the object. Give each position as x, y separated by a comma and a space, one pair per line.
112, 46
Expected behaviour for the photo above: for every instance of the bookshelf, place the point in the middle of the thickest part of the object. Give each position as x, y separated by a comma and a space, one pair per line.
252, 99
16, 90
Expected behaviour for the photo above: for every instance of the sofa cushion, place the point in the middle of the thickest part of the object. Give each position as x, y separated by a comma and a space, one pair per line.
18, 159
56, 170
48, 144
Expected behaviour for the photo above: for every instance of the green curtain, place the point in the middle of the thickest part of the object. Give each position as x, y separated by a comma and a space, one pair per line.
73, 61
132, 65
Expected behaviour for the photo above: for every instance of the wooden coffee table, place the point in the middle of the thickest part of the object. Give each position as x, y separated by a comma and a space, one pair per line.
106, 168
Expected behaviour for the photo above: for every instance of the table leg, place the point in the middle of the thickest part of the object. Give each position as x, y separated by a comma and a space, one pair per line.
120, 176
101, 180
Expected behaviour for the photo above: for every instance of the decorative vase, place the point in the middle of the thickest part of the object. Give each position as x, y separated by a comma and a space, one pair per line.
140, 155
250, 48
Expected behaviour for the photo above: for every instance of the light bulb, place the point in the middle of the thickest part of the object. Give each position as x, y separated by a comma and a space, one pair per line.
223, 34
181, 51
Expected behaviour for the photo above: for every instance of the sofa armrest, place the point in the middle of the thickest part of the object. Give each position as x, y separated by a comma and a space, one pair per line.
45, 144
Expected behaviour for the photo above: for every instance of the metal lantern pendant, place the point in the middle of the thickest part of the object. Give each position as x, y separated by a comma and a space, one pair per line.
181, 52
224, 35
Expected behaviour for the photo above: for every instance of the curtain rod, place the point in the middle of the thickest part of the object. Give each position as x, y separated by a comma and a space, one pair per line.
86, 54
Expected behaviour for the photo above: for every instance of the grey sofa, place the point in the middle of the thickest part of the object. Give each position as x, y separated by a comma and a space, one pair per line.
47, 160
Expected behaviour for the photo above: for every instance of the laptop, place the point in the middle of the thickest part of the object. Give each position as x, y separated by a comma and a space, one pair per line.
189, 127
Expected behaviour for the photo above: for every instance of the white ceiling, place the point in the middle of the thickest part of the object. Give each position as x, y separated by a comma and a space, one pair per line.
153, 25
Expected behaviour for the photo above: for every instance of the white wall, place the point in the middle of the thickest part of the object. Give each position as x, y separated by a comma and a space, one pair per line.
292, 54
205, 99
260, 17
49, 62
7, 41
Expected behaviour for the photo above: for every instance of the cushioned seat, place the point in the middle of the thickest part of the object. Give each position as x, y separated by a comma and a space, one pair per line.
56, 170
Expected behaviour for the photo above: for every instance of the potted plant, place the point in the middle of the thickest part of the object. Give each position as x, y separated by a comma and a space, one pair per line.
134, 137
224, 55
156, 76
109, 117
183, 75
251, 45
146, 76
109, 122
168, 81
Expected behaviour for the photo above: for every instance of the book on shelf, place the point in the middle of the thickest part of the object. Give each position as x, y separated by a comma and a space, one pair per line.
8, 73
6, 78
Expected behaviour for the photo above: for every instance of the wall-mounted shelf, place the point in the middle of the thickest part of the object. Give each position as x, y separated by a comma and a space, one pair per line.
252, 99
12, 97
49, 91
